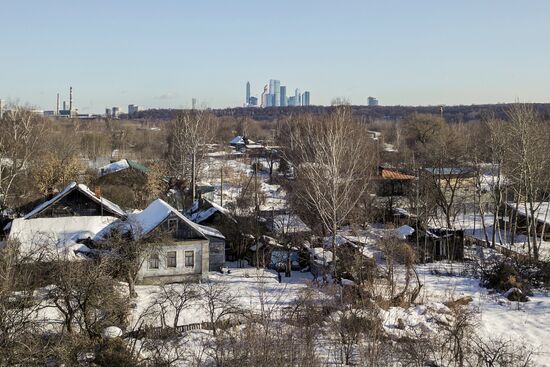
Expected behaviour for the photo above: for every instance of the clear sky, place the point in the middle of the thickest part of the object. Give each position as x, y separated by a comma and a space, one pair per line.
162, 53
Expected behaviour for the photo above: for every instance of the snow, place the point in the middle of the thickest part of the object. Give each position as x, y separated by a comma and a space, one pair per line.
250, 285
111, 332
237, 140
143, 222
114, 167
56, 236
404, 231
289, 223
542, 212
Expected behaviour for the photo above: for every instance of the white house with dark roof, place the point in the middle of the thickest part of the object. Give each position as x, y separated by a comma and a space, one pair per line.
185, 253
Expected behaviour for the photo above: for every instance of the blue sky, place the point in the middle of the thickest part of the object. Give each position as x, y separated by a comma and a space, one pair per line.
163, 53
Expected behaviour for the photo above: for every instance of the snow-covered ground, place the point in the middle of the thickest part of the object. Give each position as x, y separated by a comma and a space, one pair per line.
526, 323
472, 224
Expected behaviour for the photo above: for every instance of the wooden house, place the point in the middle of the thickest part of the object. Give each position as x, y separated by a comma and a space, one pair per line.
184, 250
124, 181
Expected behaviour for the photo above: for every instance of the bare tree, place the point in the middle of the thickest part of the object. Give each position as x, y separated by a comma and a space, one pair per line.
219, 302
190, 134
527, 165
20, 133
173, 299
333, 161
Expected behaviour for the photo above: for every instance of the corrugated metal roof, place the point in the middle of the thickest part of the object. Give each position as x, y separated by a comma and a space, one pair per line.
394, 175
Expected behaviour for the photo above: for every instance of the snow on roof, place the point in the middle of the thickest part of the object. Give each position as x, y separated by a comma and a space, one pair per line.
114, 167
83, 189
542, 211
237, 140
56, 236
289, 223
145, 221
203, 215
404, 231
210, 232
338, 240
321, 254
122, 165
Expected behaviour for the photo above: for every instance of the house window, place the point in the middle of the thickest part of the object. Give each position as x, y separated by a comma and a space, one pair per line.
189, 258
154, 261
172, 224
171, 259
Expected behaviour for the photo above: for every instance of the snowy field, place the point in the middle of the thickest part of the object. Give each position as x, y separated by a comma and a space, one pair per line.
523, 323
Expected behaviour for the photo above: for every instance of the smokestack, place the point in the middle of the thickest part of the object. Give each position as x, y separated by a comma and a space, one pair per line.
64, 105
57, 106
71, 100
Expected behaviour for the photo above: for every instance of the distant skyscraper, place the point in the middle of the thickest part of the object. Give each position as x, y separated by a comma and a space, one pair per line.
253, 101
372, 101
247, 100
275, 89
305, 98
193, 103
283, 96
297, 98
116, 111
263, 97
292, 101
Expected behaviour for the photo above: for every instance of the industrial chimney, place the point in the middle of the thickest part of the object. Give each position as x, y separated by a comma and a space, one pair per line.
57, 106
70, 101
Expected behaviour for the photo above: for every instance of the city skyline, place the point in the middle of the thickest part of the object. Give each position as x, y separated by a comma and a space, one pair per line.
460, 53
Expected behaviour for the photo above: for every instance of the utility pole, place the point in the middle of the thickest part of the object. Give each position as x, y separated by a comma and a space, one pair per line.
193, 178
221, 186
256, 211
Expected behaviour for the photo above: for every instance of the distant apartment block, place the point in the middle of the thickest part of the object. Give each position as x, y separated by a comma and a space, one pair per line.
133, 109
372, 101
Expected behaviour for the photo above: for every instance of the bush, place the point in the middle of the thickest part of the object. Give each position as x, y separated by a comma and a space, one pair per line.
506, 275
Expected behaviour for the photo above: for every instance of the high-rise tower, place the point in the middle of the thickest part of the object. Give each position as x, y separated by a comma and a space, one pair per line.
283, 96
247, 100
275, 90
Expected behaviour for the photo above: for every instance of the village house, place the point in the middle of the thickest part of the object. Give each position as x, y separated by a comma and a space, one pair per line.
184, 249
519, 216
59, 226
124, 181
243, 144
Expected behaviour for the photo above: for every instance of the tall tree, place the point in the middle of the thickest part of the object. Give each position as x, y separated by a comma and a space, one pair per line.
333, 160
188, 139
20, 134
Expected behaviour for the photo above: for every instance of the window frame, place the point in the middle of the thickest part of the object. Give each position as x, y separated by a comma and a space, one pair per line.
154, 258
192, 253
169, 259
172, 224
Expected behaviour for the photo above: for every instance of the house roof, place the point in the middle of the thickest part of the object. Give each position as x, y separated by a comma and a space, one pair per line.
452, 171
542, 210
50, 238
394, 175
241, 140
122, 165
200, 216
145, 221
115, 209
288, 223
